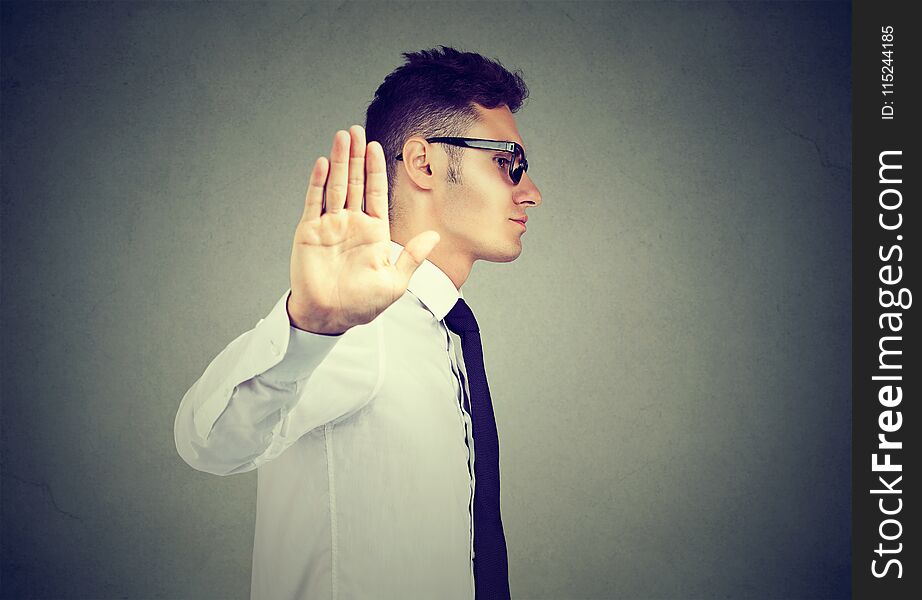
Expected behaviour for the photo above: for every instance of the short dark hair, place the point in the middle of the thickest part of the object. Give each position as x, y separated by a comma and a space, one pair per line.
433, 94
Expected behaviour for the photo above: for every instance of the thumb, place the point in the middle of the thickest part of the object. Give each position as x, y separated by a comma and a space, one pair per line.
415, 252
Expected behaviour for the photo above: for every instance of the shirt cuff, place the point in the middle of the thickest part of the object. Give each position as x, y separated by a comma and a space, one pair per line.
304, 354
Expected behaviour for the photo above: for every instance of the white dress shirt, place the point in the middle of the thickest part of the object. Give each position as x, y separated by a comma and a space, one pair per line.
363, 447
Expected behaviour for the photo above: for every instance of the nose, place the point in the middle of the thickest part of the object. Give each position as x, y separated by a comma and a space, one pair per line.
527, 191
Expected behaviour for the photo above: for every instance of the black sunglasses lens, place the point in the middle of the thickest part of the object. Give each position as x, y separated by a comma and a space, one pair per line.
519, 166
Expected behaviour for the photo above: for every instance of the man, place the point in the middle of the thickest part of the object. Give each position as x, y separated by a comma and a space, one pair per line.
377, 455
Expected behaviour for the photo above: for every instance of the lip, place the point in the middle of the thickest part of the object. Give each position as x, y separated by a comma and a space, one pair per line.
522, 223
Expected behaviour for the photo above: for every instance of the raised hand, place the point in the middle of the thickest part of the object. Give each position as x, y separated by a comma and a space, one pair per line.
341, 275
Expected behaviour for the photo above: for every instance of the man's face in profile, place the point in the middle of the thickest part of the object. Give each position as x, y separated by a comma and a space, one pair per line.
477, 213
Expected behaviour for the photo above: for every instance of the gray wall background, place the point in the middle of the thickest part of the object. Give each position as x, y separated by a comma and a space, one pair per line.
669, 357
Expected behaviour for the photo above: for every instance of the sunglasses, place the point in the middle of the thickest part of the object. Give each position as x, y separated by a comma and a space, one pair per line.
517, 166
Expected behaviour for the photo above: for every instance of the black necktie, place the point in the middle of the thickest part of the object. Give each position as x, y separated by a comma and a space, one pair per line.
491, 571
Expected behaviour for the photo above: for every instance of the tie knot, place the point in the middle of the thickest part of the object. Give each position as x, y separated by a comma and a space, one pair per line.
460, 318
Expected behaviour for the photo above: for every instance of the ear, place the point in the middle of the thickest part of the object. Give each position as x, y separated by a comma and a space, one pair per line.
419, 162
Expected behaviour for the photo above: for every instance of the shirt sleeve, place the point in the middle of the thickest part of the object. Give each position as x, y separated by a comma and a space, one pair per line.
236, 416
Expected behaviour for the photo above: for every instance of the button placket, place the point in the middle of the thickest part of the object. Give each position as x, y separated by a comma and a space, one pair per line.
468, 438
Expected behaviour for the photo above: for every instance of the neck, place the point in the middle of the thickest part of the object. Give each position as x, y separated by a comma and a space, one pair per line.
454, 264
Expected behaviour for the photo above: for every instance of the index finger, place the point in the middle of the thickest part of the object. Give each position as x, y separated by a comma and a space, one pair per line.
375, 181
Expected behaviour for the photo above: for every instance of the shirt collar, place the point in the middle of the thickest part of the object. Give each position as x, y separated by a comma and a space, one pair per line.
431, 285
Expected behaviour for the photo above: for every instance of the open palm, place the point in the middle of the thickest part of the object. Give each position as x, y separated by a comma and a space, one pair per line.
341, 274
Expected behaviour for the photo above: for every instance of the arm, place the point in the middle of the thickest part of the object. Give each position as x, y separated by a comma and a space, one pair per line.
231, 416
236, 416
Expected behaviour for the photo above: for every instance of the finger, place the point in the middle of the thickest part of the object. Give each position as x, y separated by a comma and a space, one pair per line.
415, 252
356, 187
339, 170
313, 201
375, 181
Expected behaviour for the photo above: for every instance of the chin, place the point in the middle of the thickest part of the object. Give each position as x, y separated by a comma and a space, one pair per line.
504, 255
